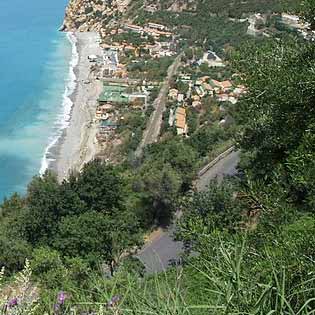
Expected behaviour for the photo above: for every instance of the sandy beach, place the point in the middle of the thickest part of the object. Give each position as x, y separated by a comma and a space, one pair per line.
78, 144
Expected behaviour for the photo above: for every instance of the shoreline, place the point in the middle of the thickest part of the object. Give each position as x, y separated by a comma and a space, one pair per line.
49, 157
77, 145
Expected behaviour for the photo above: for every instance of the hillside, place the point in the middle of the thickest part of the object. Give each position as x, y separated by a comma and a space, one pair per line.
88, 15
209, 85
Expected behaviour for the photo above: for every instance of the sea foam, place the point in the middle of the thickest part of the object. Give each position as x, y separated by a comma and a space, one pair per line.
64, 117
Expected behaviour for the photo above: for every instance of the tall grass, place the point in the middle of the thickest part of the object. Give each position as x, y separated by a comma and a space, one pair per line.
20, 296
228, 281
220, 281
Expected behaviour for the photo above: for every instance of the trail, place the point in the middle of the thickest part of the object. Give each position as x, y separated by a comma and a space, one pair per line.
151, 134
162, 250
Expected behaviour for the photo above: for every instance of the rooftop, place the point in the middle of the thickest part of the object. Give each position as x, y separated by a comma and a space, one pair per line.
180, 110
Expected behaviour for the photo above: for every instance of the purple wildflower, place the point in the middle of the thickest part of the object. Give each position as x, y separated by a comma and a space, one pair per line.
114, 301
13, 302
62, 296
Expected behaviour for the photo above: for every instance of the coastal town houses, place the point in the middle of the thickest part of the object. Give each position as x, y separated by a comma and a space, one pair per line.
153, 29
221, 86
157, 26
110, 61
212, 59
134, 28
180, 121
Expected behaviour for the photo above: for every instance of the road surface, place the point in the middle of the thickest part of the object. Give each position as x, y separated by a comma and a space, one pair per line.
157, 255
224, 167
151, 134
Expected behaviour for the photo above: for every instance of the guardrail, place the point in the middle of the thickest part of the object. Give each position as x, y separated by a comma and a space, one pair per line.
216, 160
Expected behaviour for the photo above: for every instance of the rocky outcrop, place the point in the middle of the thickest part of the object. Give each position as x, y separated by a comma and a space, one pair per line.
91, 15
85, 15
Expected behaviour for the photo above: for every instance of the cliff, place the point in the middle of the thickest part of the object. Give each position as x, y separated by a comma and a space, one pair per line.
92, 15
96, 15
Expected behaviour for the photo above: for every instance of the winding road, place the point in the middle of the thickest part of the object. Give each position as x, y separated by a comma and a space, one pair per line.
157, 255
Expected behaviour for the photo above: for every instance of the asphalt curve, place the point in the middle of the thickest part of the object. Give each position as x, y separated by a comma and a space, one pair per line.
157, 255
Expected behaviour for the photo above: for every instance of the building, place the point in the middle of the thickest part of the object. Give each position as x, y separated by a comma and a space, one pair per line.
207, 87
92, 58
173, 93
171, 118
110, 61
180, 98
102, 111
212, 59
221, 87
156, 26
133, 28
196, 104
226, 85
195, 98
180, 121
107, 125
223, 98
157, 33
151, 8
200, 91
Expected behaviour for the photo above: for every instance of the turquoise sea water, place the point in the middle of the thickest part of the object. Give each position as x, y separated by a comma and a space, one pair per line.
34, 70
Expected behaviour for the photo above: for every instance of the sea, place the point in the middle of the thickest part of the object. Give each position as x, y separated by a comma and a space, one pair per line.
36, 80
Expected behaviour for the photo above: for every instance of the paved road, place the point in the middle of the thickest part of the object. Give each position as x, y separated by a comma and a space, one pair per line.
157, 254
152, 131
224, 167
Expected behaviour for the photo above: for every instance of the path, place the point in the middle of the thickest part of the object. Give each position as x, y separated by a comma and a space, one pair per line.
156, 255
151, 134
226, 166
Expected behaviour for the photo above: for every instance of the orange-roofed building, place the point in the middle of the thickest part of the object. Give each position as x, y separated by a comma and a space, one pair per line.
181, 111
180, 121
226, 85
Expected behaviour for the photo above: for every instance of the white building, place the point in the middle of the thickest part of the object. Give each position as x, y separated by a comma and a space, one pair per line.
110, 61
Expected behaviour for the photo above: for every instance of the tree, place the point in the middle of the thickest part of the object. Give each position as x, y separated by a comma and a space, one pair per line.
13, 253
85, 235
206, 212
307, 12
278, 109
47, 266
181, 156
159, 185
204, 139
41, 215
11, 217
98, 237
70, 202
100, 186
301, 170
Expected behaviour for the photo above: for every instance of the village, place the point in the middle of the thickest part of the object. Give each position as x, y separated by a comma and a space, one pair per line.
129, 94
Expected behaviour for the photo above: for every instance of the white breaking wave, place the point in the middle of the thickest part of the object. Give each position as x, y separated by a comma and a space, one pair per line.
63, 119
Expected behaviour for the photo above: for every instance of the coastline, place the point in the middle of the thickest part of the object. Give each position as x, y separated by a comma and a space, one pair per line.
77, 143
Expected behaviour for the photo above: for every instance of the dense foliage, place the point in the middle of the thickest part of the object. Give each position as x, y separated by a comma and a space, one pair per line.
249, 240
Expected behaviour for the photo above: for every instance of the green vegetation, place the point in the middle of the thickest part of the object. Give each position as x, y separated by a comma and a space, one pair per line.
239, 8
307, 12
68, 217
133, 39
200, 29
249, 240
150, 70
